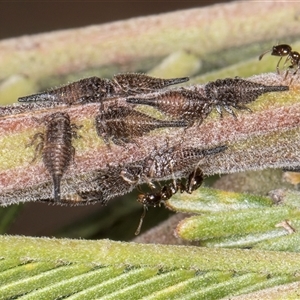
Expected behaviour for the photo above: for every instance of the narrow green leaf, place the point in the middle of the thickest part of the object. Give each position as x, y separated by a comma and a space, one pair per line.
285, 243
114, 286
234, 223
144, 287
105, 253
7, 263
76, 285
24, 271
243, 240
281, 292
190, 285
212, 200
229, 287
89, 280
47, 278
269, 282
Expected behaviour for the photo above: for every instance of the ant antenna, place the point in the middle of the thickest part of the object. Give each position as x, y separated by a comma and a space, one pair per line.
261, 56
138, 230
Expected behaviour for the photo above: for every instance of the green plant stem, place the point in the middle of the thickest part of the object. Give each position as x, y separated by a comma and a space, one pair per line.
105, 253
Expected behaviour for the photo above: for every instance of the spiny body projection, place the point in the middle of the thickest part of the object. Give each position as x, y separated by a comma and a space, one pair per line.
56, 147
95, 89
236, 92
182, 104
122, 124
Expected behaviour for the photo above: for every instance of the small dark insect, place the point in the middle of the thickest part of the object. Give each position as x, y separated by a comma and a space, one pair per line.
121, 124
56, 147
94, 89
183, 104
285, 50
236, 92
192, 183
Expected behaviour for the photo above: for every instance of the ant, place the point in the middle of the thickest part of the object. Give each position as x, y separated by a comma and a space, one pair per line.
285, 50
192, 183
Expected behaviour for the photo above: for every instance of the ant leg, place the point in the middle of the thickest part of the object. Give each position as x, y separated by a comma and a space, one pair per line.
277, 67
230, 111
219, 110
34, 138
138, 230
243, 107
38, 149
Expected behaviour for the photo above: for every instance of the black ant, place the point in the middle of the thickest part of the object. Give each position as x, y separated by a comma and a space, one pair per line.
285, 50
192, 183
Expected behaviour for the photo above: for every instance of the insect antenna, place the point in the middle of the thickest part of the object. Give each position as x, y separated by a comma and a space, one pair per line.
261, 56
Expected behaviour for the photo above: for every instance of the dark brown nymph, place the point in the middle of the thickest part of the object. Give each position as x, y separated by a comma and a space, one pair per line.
182, 104
236, 92
123, 124
56, 147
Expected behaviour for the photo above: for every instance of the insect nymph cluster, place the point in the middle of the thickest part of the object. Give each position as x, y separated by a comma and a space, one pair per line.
118, 122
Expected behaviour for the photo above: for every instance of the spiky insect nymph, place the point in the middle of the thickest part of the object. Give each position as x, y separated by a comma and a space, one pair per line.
236, 92
56, 147
135, 83
167, 162
122, 124
92, 89
182, 104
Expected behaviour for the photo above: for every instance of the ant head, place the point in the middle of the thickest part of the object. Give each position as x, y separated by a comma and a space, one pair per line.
278, 50
143, 199
148, 199
281, 50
